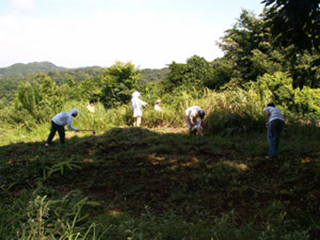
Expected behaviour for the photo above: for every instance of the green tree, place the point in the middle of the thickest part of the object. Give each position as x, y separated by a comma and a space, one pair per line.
119, 81
305, 70
193, 74
248, 48
26, 98
197, 72
295, 22
47, 88
276, 87
222, 69
91, 88
175, 76
307, 102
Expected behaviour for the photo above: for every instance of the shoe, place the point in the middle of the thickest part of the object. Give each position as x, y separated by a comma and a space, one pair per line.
46, 145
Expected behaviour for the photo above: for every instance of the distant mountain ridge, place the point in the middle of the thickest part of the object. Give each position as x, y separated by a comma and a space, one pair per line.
11, 76
21, 70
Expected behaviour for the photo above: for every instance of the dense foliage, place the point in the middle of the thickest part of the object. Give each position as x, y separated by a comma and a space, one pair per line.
296, 22
134, 183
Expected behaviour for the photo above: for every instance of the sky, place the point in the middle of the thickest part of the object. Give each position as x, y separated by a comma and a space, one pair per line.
147, 33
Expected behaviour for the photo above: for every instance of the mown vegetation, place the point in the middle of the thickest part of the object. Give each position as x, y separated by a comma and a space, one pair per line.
131, 183
156, 182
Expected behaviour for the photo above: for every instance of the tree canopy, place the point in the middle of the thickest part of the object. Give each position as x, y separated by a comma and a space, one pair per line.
295, 22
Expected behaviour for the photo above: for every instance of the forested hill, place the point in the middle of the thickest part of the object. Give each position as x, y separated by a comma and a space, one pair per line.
58, 74
11, 76
20, 69
149, 75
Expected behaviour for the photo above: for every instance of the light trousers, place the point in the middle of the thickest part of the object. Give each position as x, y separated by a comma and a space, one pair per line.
137, 121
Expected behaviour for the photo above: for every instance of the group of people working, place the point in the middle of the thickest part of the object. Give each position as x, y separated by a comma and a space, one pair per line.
194, 118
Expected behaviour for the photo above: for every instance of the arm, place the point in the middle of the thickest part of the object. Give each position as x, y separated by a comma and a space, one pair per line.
144, 103
70, 126
267, 113
192, 115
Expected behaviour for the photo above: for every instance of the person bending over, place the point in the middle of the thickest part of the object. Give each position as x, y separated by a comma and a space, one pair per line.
275, 123
57, 124
192, 115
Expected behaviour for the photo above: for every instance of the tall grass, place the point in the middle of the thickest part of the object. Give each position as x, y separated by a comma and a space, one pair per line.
41, 217
233, 111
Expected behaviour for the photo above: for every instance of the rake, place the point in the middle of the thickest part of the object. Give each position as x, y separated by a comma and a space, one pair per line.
84, 130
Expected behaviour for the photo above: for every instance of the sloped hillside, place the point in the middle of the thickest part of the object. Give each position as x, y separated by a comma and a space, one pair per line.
152, 183
21, 70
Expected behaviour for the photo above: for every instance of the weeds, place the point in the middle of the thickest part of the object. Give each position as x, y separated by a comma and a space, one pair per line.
45, 218
135, 183
60, 167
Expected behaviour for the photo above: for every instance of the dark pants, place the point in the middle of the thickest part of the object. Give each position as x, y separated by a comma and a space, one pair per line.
274, 131
54, 128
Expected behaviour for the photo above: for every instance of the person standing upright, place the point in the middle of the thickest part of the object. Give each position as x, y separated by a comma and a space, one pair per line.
275, 123
136, 106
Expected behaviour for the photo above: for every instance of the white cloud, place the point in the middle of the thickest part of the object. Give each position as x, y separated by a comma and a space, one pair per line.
147, 40
22, 7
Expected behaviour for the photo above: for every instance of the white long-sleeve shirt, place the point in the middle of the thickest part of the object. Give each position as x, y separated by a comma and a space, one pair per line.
63, 119
136, 106
157, 108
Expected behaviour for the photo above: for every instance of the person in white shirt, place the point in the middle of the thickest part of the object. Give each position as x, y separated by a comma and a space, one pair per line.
192, 115
136, 106
90, 107
275, 123
157, 106
58, 122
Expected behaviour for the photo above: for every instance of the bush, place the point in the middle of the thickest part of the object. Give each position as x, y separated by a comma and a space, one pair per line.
234, 111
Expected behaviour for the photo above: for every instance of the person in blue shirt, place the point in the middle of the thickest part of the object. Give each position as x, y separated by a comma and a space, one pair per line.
275, 123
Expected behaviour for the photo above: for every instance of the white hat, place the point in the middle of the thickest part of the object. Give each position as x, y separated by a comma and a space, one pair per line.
135, 94
74, 111
158, 101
